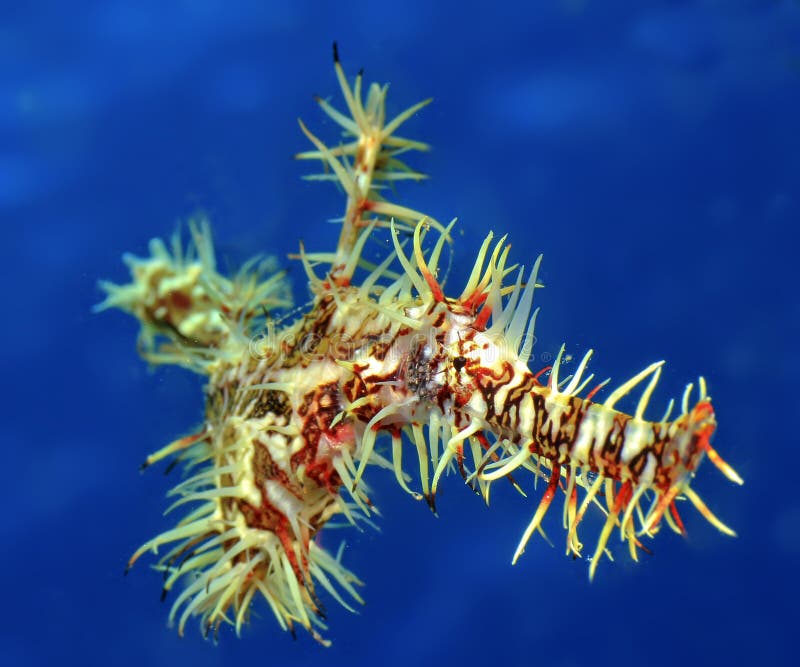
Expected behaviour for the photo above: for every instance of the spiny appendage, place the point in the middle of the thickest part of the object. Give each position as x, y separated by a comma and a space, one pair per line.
252, 527
190, 313
641, 468
468, 383
364, 165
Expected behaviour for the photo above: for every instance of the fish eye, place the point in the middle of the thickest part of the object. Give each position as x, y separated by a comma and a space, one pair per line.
459, 362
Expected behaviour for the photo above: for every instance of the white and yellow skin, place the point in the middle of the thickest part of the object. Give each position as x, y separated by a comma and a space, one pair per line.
293, 414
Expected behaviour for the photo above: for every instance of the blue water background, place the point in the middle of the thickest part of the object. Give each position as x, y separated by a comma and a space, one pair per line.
650, 150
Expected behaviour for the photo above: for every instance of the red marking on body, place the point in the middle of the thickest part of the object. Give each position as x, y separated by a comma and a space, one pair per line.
552, 486
542, 372
483, 318
591, 394
474, 301
321, 469
673, 510
322, 442
623, 497
460, 460
573, 499
703, 412
282, 531
502, 376
364, 205
325, 475
438, 294
180, 300
666, 499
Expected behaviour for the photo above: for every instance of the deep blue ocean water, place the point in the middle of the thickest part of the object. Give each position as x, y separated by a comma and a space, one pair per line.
650, 150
